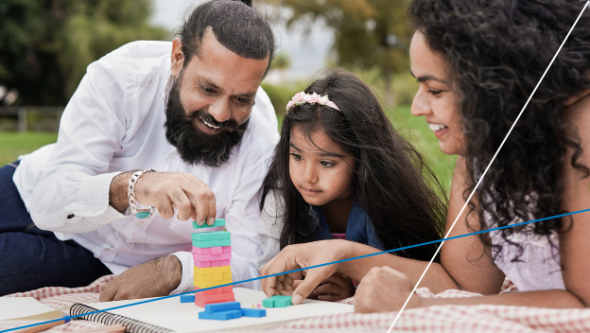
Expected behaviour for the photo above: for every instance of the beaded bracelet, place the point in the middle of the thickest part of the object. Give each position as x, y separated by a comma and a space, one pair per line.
139, 213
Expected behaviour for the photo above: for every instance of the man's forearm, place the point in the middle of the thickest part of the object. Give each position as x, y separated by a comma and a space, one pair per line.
118, 192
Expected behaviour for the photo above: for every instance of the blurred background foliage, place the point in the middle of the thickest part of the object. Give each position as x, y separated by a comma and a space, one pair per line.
46, 45
369, 34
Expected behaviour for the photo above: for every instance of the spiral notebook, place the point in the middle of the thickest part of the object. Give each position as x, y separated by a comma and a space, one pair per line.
169, 315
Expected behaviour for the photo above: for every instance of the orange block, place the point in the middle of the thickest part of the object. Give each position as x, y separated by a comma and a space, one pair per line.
201, 298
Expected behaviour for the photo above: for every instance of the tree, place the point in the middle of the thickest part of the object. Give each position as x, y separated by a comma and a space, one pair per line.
368, 33
46, 45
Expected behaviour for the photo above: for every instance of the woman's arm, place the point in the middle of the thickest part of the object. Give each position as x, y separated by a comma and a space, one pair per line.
574, 244
464, 263
385, 289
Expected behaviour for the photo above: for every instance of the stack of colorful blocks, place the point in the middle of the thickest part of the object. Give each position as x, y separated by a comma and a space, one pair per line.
212, 254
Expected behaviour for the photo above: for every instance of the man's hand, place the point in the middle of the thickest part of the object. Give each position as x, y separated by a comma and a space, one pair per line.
154, 278
167, 191
335, 288
383, 290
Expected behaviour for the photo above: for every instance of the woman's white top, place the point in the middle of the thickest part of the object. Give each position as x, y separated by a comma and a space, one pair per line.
538, 266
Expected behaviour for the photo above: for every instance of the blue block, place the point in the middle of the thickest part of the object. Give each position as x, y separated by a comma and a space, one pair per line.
254, 313
187, 298
223, 315
221, 307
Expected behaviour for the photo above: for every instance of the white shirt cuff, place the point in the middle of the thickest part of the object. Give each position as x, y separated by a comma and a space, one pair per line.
187, 283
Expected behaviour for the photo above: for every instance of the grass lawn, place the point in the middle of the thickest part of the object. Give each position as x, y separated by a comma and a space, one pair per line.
416, 130
12, 145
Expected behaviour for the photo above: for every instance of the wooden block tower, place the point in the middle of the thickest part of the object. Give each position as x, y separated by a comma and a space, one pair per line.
212, 254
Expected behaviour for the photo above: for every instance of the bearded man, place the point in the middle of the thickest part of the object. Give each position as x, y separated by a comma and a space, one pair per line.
193, 111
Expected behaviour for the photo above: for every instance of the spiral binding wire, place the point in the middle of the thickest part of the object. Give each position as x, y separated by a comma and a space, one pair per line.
106, 318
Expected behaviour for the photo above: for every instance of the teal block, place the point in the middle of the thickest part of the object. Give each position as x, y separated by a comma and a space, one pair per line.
277, 301
215, 235
283, 302
142, 215
211, 243
218, 223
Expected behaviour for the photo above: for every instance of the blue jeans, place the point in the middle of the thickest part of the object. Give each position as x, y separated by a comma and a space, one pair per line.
32, 258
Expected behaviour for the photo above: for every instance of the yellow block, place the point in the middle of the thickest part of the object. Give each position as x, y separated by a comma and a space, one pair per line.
212, 276
210, 283
212, 270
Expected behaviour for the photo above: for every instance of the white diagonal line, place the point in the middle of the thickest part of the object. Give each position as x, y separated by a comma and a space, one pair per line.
487, 168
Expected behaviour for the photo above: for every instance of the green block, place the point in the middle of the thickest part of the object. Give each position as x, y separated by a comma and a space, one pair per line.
215, 235
218, 223
277, 301
211, 243
283, 302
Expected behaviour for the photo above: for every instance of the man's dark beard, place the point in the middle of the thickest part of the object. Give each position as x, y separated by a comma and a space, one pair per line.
193, 145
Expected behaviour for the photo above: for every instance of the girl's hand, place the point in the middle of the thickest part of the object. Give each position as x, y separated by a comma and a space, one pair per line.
335, 288
383, 290
302, 256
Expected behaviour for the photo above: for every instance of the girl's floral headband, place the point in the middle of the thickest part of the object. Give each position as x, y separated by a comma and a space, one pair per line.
302, 98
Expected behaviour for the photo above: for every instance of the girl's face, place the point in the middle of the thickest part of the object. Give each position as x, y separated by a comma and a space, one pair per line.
436, 99
323, 172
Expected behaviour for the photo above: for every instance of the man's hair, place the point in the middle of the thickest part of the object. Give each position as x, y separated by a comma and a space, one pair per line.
236, 25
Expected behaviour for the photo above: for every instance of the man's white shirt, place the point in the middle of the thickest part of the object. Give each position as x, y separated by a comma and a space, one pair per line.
115, 123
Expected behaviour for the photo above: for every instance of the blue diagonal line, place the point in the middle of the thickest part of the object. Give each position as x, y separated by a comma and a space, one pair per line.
302, 269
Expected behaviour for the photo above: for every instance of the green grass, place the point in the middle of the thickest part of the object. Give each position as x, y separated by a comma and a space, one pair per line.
416, 130
12, 145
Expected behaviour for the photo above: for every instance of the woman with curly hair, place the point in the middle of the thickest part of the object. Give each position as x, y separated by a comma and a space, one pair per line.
477, 63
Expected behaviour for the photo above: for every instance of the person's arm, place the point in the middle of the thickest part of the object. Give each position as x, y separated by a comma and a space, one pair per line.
243, 215
573, 246
269, 229
457, 257
77, 191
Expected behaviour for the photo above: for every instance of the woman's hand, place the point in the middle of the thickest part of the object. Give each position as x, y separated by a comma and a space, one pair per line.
302, 256
335, 288
383, 290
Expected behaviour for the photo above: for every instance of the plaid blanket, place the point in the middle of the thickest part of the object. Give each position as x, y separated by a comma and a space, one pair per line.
447, 318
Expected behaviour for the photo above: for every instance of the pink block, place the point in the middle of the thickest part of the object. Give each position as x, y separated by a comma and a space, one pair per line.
206, 255
210, 250
211, 263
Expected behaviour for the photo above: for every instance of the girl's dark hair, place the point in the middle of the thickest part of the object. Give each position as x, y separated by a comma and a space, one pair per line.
388, 174
497, 52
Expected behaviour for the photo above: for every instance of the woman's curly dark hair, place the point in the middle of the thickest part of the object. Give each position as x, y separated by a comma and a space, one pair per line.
497, 51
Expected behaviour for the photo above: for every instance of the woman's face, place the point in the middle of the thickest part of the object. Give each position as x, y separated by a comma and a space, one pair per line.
436, 98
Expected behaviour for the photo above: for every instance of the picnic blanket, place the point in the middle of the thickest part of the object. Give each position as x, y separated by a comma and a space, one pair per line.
447, 318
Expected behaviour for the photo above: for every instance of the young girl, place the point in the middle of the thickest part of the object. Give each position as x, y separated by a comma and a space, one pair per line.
477, 62
340, 170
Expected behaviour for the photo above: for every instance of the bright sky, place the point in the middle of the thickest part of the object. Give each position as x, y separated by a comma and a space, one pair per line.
308, 53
